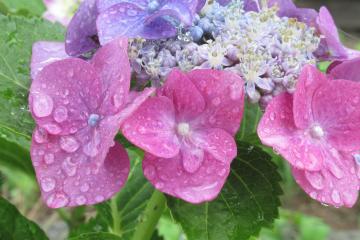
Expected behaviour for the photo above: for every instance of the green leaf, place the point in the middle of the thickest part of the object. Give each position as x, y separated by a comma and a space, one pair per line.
248, 201
14, 152
14, 226
16, 39
23, 7
97, 236
250, 120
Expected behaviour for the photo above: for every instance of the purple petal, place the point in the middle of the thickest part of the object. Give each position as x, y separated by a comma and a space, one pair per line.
348, 70
82, 29
123, 19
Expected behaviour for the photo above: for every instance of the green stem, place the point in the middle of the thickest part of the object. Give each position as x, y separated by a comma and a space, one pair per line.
116, 217
151, 216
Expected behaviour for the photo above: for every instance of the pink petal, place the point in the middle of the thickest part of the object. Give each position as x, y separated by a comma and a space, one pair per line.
309, 81
44, 53
186, 97
348, 70
134, 101
336, 108
277, 130
192, 157
152, 127
64, 94
72, 178
220, 144
223, 92
112, 64
169, 176
335, 184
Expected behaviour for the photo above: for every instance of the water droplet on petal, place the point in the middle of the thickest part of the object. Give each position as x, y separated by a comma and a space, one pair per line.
57, 200
81, 200
216, 101
118, 100
335, 170
99, 198
40, 135
47, 184
149, 172
335, 196
84, 188
90, 149
69, 144
60, 114
42, 105
52, 128
315, 179
69, 167
49, 158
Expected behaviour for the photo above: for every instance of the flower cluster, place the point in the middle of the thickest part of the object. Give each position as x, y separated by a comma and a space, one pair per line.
204, 58
269, 57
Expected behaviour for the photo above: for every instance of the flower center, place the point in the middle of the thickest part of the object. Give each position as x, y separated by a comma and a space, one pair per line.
317, 132
183, 129
153, 5
93, 120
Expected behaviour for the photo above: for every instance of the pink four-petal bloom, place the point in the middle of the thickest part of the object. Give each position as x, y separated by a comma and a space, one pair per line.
316, 130
187, 132
78, 107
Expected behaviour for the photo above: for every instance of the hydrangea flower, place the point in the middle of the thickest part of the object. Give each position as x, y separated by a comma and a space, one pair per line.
78, 107
150, 19
316, 130
269, 57
187, 132
331, 47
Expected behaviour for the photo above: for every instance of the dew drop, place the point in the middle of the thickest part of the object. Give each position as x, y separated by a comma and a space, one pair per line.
47, 184
57, 200
149, 172
81, 200
60, 114
335, 196
335, 170
90, 149
42, 105
52, 128
40, 135
315, 179
84, 188
272, 116
99, 198
216, 101
118, 100
49, 158
69, 144
69, 167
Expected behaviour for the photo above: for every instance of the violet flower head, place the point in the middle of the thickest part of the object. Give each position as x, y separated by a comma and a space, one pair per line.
149, 19
78, 107
316, 131
331, 47
187, 132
